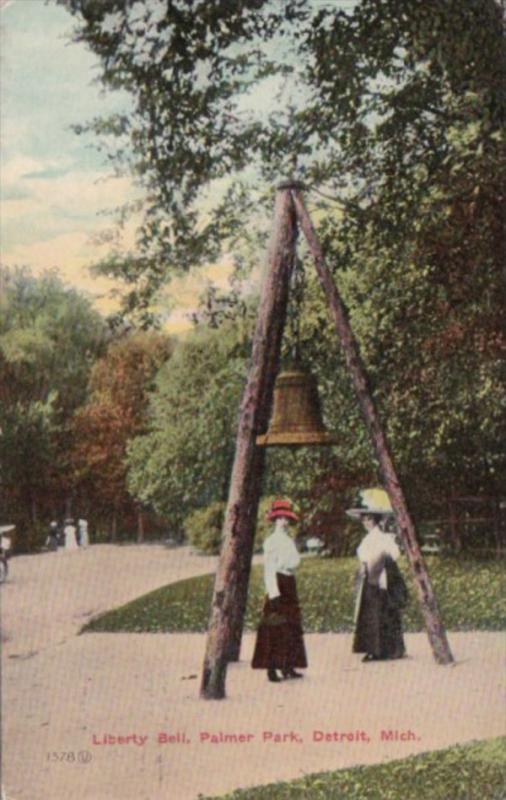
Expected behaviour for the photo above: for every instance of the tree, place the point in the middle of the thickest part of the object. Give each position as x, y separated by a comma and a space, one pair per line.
394, 118
182, 461
115, 413
365, 102
49, 338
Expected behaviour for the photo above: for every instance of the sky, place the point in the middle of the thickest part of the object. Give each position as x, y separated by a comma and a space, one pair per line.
55, 186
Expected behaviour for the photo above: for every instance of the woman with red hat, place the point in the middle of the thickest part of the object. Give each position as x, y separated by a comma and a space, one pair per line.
280, 642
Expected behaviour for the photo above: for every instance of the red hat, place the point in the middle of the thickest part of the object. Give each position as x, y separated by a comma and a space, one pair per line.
282, 508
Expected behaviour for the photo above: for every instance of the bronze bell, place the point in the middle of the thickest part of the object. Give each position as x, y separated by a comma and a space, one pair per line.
296, 416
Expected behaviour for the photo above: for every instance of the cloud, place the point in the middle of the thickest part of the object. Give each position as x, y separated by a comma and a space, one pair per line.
42, 199
182, 294
14, 168
179, 322
71, 253
49, 220
47, 85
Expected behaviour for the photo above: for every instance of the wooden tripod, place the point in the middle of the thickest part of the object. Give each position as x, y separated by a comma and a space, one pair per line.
232, 577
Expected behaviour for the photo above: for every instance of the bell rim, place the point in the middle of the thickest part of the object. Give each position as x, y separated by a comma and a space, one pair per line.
296, 439
296, 376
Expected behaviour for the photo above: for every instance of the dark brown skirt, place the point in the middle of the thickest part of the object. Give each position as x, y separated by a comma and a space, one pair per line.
280, 640
379, 627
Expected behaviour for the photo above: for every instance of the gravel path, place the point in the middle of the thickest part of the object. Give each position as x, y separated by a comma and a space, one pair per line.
67, 699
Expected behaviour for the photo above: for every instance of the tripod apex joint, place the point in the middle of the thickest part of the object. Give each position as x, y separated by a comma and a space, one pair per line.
291, 183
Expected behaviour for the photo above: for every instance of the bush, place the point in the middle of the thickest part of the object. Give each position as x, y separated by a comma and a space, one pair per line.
348, 538
264, 526
29, 537
203, 527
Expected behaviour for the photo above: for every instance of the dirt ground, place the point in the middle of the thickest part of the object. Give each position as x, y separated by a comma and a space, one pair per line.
118, 717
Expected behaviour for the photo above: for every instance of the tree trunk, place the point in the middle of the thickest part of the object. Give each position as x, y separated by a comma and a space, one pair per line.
140, 526
497, 527
114, 526
33, 509
435, 629
454, 526
232, 577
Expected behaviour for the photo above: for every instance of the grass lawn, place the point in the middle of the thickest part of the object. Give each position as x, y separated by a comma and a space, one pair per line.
465, 772
470, 594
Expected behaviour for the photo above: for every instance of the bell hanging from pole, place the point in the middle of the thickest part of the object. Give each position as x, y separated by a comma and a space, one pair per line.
296, 413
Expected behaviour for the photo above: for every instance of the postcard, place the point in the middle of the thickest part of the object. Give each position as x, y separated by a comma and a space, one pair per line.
252, 507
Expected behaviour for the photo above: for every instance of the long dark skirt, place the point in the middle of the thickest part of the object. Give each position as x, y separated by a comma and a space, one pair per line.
280, 640
379, 627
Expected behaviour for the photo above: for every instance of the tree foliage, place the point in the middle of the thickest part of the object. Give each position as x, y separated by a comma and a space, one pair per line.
204, 527
393, 115
183, 461
363, 100
115, 413
49, 337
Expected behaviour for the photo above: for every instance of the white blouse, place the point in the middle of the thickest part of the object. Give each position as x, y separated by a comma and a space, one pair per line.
70, 538
280, 555
375, 546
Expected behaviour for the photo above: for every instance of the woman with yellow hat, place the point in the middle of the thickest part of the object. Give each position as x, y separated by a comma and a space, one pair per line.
382, 591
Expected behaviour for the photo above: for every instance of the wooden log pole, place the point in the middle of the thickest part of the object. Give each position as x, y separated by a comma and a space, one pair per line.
436, 632
232, 577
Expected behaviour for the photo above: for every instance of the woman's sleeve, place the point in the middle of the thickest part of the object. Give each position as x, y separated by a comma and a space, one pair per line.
393, 548
363, 550
270, 569
291, 556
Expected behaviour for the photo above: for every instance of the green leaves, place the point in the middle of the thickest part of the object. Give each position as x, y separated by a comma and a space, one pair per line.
185, 459
393, 114
115, 413
200, 75
49, 336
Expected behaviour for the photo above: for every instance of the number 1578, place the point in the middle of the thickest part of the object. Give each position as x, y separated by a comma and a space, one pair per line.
62, 755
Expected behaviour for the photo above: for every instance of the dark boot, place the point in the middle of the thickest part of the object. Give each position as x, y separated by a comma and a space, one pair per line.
273, 676
290, 673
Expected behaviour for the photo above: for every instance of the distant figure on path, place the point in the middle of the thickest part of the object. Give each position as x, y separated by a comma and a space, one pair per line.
61, 534
382, 592
70, 535
84, 539
52, 537
280, 642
